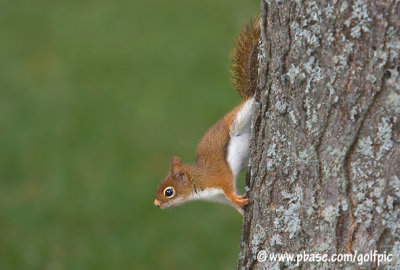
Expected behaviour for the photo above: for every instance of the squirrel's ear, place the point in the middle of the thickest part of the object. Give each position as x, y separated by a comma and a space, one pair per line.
176, 160
176, 166
177, 170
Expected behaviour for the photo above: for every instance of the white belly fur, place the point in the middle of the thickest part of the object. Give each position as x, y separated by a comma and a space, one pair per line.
210, 194
238, 148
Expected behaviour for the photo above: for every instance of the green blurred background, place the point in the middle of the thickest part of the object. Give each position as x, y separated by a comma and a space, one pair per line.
95, 98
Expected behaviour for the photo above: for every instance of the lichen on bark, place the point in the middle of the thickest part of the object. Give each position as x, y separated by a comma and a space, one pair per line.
324, 171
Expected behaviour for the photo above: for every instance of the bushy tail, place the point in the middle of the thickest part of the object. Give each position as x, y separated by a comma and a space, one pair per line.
245, 62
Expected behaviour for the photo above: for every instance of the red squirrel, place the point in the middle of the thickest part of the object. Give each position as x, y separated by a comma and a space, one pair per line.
224, 150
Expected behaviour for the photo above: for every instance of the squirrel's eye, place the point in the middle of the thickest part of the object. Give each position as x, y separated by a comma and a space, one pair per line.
169, 192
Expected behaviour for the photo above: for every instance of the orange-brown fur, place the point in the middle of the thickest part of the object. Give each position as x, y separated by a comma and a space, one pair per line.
245, 63
211, 169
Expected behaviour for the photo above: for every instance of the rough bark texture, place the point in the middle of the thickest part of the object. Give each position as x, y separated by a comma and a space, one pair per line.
324, 174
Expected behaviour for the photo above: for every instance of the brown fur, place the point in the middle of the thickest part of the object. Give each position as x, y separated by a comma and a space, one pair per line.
211, 169
245, 63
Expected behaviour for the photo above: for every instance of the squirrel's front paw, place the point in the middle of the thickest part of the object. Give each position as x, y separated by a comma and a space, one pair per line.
241, 200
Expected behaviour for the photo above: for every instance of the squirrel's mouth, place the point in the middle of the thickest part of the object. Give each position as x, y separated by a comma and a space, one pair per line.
160, 204
157, 203
169, 204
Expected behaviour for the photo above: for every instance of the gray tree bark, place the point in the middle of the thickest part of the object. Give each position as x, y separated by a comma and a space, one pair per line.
324, 173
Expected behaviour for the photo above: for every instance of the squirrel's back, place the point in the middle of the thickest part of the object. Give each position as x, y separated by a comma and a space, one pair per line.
245, 62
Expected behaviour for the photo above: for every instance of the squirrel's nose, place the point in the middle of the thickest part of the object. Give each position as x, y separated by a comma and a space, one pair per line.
157, 203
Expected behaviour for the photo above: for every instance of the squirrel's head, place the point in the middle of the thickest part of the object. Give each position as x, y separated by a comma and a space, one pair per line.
174, 189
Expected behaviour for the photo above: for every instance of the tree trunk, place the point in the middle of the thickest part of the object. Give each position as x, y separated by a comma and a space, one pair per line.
324, 173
